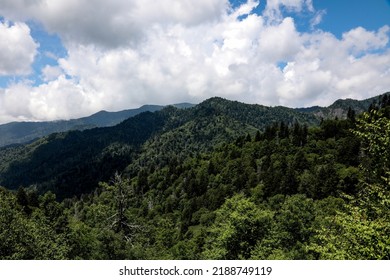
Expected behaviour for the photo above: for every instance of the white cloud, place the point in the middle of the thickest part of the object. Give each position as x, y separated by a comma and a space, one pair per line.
13, 102
317, 18
50, 73
58, 99
18, 10
273, 8
126, 54
359, 40
280, 42
110, 23
292, 5
17, 49
327, 68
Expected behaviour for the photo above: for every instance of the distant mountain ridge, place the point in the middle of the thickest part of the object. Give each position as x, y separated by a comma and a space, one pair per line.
24, 132
72, 163
340, 107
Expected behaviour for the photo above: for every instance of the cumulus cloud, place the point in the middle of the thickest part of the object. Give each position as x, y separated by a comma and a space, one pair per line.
127, 54
110, 23
17, 49
57, 99
273, 9
359, 40
50, 73
280, 42
328, 68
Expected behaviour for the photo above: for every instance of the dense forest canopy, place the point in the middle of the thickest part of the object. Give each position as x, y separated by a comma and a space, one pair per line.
222, 180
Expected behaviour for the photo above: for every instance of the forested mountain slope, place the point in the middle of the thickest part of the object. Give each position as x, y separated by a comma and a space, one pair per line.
339, 109
72, 163
289, 191
23, 132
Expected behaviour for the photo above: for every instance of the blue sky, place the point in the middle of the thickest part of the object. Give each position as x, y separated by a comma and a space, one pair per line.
344, 15
49, 50
61, 61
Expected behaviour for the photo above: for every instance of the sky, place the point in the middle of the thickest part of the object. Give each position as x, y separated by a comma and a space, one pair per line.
63, 59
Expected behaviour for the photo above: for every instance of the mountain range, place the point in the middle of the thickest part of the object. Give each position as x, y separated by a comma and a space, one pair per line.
219, 180
23, 132
73, 162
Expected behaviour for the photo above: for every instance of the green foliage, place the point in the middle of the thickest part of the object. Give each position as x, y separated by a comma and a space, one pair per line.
374, 130
28, 237
359, 232
238, 225
23, 132
362, 230
290, 230
211, 182
75, 162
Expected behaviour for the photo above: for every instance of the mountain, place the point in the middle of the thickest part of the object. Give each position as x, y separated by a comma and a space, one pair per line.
23, 132
340, 107
221, 180
62, 161
215, 121
72, 163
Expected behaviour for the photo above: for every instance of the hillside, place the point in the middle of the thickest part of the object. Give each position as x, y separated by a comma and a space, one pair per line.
23, 132
339, 109
203, 183
72, 163
221, 180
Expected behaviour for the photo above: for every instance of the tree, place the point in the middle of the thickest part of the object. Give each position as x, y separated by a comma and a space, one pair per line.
122, 192
290, 232
33, 237
22, 199
351, 115
374, 131
238, 226
362, 231
258, 136
283, 130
